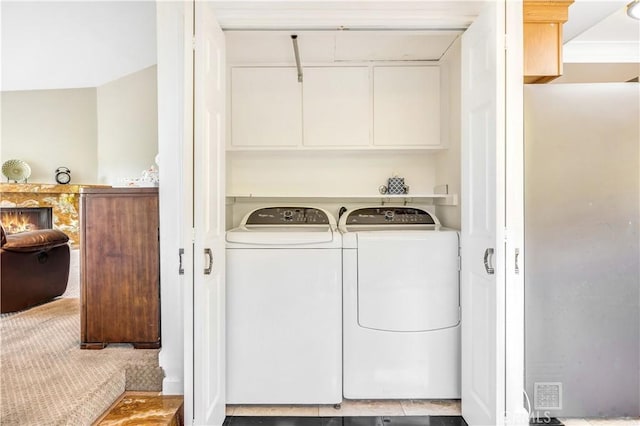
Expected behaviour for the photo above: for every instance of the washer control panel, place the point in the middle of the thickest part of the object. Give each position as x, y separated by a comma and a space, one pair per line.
287, 216
390, 216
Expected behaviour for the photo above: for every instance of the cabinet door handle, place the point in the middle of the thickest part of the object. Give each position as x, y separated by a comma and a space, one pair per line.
488, 257
209, 268
180, 267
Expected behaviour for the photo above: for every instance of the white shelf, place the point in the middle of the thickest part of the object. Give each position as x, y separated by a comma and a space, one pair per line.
437, 199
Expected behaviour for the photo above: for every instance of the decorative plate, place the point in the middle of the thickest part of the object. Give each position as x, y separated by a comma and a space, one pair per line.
16, 170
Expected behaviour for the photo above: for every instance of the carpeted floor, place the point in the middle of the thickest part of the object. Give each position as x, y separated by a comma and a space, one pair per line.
46, 379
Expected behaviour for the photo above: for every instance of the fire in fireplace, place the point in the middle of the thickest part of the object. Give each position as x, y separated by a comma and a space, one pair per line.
23, 219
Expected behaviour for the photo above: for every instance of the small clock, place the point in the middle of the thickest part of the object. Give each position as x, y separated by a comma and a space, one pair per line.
63, 175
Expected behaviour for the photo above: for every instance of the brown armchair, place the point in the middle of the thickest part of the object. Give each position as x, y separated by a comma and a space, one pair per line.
34, 268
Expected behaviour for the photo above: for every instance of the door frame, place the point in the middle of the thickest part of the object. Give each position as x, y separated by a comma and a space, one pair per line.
174, 23
175, 111
515, 412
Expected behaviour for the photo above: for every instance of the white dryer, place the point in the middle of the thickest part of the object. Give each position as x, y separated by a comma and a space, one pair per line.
284, 308
401, 298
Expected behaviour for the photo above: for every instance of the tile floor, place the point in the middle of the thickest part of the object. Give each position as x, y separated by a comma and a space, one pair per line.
443, 407
601, 422
356, 408
347, 421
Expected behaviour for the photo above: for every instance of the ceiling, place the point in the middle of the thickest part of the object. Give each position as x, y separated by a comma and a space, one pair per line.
54, 45
60, 45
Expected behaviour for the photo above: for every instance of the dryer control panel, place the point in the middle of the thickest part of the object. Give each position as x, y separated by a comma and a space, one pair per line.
389, 216
287, 216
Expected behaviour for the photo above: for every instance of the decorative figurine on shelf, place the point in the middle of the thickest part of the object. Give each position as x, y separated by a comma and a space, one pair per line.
63, 175
150, 177
395, 186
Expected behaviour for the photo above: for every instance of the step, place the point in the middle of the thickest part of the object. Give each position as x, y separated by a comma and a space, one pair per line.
144, 408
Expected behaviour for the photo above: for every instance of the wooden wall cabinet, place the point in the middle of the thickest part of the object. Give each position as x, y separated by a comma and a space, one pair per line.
543, 20
120, 267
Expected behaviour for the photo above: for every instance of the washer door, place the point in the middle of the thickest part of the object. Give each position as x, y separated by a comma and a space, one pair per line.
408, 281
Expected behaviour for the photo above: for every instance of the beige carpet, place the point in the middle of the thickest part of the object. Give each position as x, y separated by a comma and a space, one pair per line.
45, 379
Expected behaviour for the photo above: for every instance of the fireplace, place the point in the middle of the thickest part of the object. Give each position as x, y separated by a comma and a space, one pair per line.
23, 219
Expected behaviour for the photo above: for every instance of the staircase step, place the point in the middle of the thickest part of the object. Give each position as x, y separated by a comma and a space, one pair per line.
144, 378
144, 408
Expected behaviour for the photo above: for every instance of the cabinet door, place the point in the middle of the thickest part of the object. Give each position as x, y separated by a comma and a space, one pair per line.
406, 106
336, 106
266, 107
120, 268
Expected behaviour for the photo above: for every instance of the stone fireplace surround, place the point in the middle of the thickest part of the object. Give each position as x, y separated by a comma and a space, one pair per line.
63, 199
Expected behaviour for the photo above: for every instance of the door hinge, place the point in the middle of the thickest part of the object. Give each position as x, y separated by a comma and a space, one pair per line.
459, 263
516, 257
506, 41
193, 235
193, 42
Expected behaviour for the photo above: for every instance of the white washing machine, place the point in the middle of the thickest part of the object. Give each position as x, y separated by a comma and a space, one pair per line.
284, 308
401, 305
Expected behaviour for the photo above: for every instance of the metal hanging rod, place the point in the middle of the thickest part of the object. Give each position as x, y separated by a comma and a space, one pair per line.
294, 39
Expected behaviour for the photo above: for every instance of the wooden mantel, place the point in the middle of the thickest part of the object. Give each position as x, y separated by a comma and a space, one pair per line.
543, 20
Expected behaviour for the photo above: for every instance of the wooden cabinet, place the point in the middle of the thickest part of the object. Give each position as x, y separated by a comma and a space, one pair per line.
543, 20
406, 106
120, 270
266, 107
336, 106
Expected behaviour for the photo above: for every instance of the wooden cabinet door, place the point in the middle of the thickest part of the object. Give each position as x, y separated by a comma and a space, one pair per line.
120, 269
406, 106
266, 107
336, 106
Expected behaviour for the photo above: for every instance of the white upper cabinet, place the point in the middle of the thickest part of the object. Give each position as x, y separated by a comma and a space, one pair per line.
363, 106
406, 106
336, 106
266, 107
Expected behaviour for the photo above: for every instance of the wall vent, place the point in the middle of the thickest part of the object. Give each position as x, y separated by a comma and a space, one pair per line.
547, 396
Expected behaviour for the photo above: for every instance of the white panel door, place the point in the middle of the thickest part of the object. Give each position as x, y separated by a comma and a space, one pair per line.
406, 106
209, 220
482, 236
266, 107
336, 106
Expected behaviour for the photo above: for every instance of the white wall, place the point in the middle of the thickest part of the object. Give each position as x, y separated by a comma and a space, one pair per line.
323, 173
127, 126
582, 281
101, 134
49, 129
326, 172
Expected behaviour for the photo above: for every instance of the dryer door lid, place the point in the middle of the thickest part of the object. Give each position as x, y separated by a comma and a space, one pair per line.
408, 282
